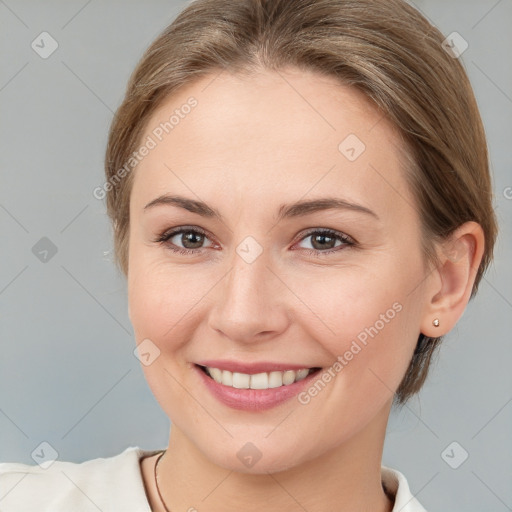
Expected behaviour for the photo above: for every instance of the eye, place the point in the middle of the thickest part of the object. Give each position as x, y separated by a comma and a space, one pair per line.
323, 241
191, 239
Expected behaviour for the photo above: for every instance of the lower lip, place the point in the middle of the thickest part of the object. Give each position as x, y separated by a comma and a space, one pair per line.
253, 399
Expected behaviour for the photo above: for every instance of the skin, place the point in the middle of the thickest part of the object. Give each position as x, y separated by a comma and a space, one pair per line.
252, 144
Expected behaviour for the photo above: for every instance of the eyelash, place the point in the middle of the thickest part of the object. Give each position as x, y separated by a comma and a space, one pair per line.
347, 240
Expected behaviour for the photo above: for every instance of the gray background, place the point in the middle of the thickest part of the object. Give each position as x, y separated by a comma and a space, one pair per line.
68, 375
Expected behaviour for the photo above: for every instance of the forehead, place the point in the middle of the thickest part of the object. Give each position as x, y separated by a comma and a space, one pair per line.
271, 133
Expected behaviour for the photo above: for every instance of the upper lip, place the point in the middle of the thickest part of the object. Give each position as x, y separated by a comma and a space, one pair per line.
251, 368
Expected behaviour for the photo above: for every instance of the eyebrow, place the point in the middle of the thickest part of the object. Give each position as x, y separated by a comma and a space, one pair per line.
298, 209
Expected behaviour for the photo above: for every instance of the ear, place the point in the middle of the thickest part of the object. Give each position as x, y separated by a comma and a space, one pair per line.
452, 280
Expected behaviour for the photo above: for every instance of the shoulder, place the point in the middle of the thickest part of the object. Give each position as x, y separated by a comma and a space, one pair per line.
396, 484
112, 483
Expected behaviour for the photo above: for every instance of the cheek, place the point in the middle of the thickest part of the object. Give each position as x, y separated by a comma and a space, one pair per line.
369, 321
160, 297
156, 294
162, 311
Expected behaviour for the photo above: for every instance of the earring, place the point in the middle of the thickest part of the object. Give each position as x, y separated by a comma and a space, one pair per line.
435, 322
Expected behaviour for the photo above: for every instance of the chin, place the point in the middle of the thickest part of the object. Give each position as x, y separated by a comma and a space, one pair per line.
258, 457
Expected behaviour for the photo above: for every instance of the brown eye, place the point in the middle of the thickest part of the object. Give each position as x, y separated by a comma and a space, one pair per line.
184, 240
325, 241
190, 239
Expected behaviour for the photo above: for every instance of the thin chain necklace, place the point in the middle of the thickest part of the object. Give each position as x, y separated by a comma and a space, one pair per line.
156, 482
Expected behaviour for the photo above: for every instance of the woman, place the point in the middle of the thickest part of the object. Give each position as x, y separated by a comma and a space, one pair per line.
301, 203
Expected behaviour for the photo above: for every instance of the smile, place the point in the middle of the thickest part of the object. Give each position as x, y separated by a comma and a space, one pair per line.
263, 380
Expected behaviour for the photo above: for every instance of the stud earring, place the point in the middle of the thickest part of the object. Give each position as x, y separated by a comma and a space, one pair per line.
435, 322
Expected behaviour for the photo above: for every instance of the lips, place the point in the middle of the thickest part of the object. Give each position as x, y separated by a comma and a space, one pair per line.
252, 391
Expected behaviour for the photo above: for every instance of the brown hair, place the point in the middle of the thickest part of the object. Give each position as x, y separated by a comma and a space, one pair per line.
384, 48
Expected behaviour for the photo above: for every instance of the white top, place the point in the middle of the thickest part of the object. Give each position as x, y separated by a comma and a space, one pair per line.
114, 484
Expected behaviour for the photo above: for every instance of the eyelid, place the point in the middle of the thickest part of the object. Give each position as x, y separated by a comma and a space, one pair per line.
346, 238
169, 233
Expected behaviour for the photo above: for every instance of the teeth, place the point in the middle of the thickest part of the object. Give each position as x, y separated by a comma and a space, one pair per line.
227, 378
302, 374
216, 374
263, 380
257, 381
241, 380
275, 379
288, 377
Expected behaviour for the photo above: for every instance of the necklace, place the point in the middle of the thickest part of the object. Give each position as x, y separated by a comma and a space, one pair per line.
156, 482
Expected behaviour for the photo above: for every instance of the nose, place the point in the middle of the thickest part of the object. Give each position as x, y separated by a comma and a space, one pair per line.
249, 304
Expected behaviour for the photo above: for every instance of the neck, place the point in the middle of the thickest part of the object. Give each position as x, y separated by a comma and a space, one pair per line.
347, 477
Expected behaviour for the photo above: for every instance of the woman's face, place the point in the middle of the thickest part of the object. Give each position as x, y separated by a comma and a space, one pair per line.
266, 281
